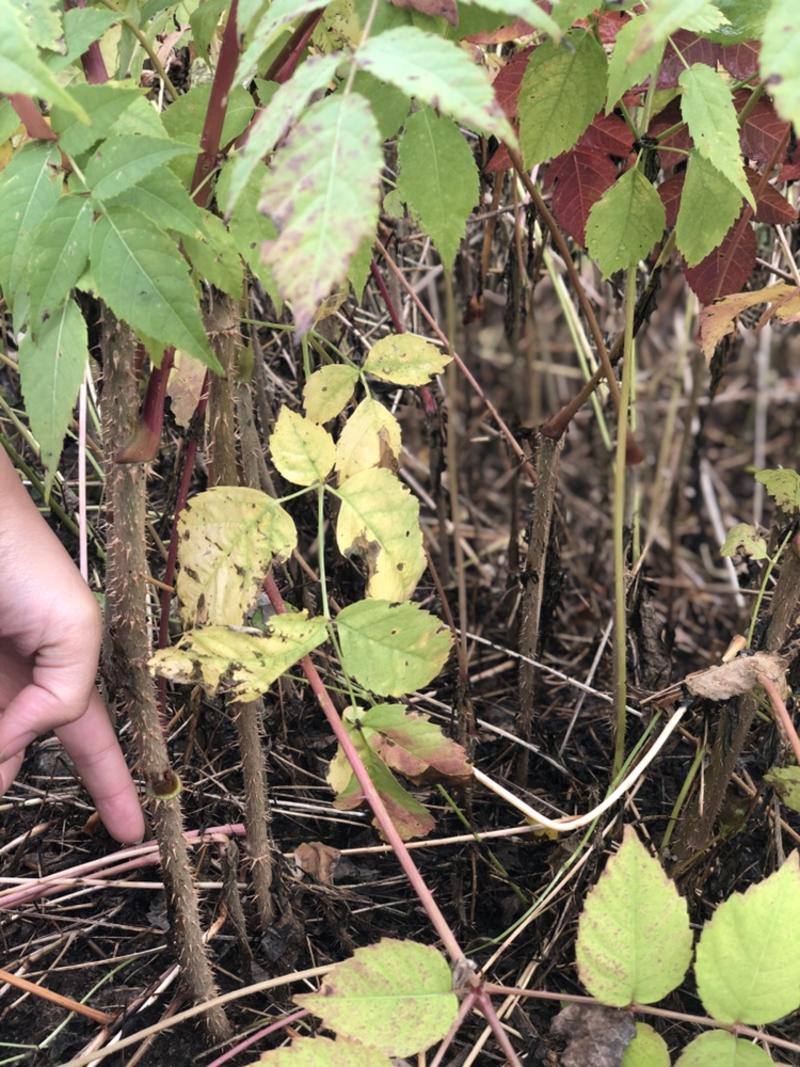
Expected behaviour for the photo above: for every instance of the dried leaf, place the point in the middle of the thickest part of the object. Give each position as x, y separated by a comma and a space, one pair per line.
318, 860
185, 386
737, 677
596, 1036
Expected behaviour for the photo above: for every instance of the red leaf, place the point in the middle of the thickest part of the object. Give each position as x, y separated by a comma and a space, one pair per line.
609, 134
508, 81
741, 60
670, 193
727, 269
692, 48
790, 172
437, 8
581, 176
609, 24
762, 130
773, 207
499, 160
512, 32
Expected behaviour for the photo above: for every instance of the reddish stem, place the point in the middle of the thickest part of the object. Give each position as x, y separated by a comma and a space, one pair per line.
35, 123
94, 66
217, 107
388, 829
281, 1024
781, 713
484, 1002
144, 446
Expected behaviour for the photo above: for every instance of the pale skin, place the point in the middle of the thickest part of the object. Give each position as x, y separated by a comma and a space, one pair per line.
50, 634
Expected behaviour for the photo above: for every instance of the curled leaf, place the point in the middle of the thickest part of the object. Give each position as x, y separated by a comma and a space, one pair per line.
739, 676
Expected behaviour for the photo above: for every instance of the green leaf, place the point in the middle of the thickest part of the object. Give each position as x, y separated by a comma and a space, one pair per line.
783, 486
21, 69
241, 663
29, 189
183, 120
396, 996
322, 1052
104, 104
9, 120
562, 90
708, 110
629, 65
389, 106
634, 939
648, 1049
267, 29
322, 219
664, 17
778, 58
371, 438
745, 21
748, 955
405, 359
438, 179
51, 368
60, 253
379, 518
82, 26
744, 536
527, 10
143, 278
228, 537
282, 111
164, 201
359, 269
204, 21
215, 256
412, 745
41, 20
410, 818
624, 223
718, 1049
121, 162
709, 207
565, 12
328, 391
301, 451
786, 783
391, 649
438, 73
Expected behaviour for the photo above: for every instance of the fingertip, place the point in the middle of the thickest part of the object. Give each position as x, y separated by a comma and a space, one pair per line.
123, 818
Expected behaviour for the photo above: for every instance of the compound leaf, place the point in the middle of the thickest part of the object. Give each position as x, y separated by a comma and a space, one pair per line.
379, 518
301, 450
634, 939
241, 663
122, 161
411, 744
322, 220
328, 391
629, 64
563, 88
391, 649
51, 367
371, 438
624, 223
29, 190
104, 104
405, 359
228, 537
21, 69
396, 996
60, 252
709, 206
438, 179
748, 955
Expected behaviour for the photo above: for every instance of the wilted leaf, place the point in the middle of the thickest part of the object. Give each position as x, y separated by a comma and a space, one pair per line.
717, 319
625, 223
241, 663
185, 386
396, 995
737, 677
379, 519
322, 1052
318, 860
718, 1049
748, 955
595, 1036
405, 359
411, 744
302, 451
786, 783
563, 89
371, 438
391, 649
783, 486
744, 536
228, 536
634, 939
322, 219
328, 391
648, 1049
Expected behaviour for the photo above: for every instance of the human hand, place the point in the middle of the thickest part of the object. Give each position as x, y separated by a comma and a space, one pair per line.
50, 634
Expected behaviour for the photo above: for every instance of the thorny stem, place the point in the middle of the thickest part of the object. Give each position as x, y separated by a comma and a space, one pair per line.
371, 794
620, 578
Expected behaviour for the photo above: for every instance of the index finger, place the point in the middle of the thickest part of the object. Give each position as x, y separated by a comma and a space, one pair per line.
93, 746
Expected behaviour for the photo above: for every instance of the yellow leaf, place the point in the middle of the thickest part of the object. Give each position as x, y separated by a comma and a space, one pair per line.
379, 518
405, 359
227, 538
371, 438
717, 319
328, 390
302, 451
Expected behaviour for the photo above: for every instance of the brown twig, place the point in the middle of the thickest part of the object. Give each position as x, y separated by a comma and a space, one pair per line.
55, 998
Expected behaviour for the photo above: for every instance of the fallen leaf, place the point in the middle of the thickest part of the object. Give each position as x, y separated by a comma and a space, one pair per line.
318, 860
595, 1036
737, 677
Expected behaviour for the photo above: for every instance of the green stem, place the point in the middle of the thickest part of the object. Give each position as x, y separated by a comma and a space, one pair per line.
152, 54
323, 581
620, 635
763, 587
